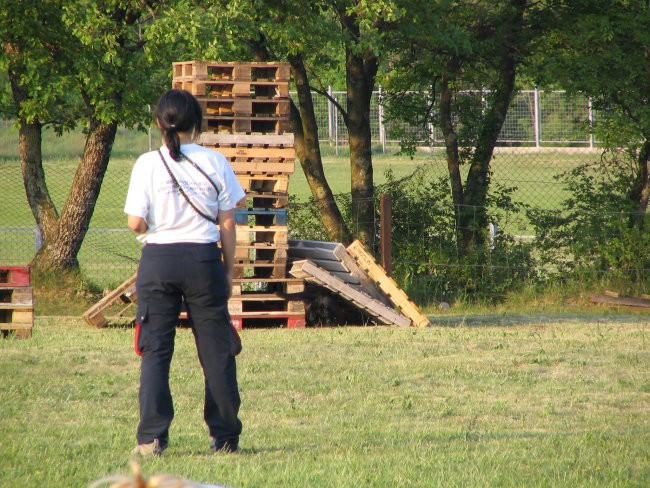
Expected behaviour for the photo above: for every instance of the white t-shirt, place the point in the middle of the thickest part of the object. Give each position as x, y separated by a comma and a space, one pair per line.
153, 196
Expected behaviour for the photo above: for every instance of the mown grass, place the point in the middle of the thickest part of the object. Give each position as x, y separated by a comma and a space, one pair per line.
558, 404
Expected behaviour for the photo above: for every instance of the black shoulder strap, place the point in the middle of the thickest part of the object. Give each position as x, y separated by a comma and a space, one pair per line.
180, 188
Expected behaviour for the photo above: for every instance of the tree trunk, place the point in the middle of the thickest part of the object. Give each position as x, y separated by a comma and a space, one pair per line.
360, 75
31, 163
30, 150
60, 251
308, 151
474, 219
451, 147
640, 192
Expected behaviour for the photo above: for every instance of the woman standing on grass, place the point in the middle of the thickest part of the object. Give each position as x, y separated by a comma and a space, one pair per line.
181, 202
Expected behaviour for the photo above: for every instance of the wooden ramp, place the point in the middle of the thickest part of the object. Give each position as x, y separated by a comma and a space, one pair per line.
309, 271
335, 259
356, 268
376, 273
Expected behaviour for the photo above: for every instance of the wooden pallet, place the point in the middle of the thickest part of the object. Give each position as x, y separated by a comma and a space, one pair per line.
245, 107
15, 276
246, 125
264, 302
217, 70
17, 319
125, 294
335, 259
245, 140
386, 315
375, 272
262, 251
259, 269
259, 90
634, 302
287, 286
267, 199
16, 302
269, 319
257, 153
247, 235
261, 216
264, 184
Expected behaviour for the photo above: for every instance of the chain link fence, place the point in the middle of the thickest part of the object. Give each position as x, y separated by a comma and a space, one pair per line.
545, 135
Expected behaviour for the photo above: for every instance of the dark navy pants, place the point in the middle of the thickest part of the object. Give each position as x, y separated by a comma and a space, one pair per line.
167, 274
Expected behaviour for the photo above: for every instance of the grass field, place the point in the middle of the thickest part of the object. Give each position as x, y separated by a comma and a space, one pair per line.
532, 404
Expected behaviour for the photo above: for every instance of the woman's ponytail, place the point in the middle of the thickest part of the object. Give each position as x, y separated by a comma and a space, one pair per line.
178, 111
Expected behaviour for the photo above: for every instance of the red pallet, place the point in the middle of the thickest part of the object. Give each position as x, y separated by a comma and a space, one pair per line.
13, 276
270, 319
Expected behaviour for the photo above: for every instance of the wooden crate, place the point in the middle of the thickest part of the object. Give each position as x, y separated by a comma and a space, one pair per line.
258, 303
290, 287
245, 125
264, 217
247, 235
243, 71
16, 302
239, 140
14, 276
264, 183
269, 319
124, 294
228, 89
245, 107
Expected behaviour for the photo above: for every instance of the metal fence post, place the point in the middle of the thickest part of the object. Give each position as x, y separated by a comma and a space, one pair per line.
330, 113
336, 132
537, 127
590, 118
382, 128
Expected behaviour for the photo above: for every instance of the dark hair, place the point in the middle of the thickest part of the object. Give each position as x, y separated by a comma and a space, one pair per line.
178, 111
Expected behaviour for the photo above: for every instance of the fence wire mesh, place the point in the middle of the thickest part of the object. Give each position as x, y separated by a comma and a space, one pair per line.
428, 259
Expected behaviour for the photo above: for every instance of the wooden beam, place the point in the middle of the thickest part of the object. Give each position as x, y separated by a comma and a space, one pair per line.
367, 262
608, 299
309, 271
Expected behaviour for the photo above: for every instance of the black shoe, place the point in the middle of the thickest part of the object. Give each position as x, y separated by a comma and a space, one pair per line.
225, 446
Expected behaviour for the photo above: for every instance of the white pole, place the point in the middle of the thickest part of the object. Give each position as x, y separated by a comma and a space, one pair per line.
330, 114
590, 116
336, 132
537, 127
382, 128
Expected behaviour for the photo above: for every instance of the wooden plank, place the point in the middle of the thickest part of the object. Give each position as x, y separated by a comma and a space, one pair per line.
367, 262
257, 152
270, 140
622, 301
309, 271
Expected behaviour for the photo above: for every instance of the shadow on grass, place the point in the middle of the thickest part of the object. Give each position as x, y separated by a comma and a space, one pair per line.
510, 319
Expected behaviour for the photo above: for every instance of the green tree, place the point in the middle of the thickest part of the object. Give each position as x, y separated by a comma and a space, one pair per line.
455, 66
318, 39
74, 63
602, 49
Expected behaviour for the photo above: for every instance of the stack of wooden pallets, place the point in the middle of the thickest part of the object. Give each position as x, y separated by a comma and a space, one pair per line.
16, 302
246, 118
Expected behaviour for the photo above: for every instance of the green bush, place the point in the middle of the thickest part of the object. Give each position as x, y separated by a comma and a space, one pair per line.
599, 235
427, 261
